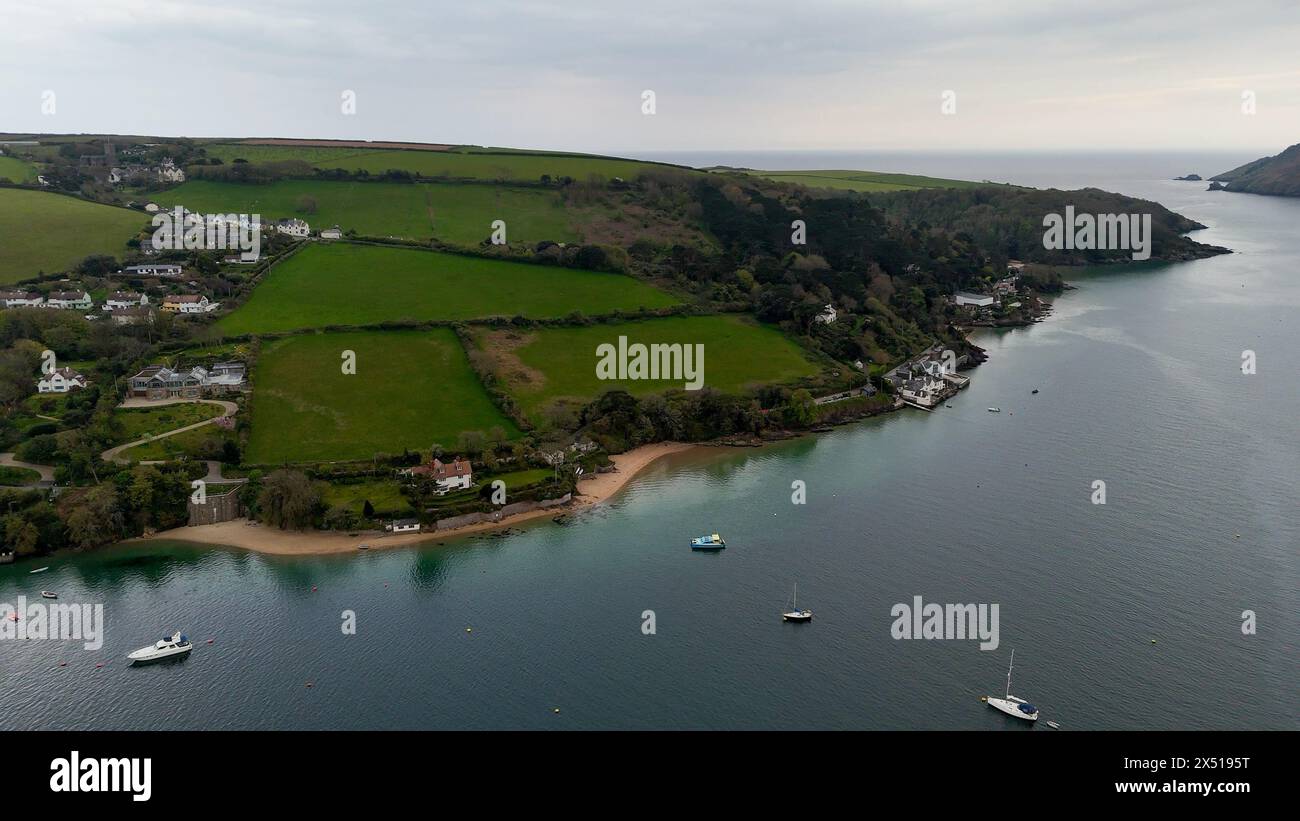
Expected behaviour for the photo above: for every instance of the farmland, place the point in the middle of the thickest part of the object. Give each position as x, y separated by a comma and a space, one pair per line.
866, 181
410, 390
457, 213
463, 163
15, 170
540, 367
52, 233
343, 284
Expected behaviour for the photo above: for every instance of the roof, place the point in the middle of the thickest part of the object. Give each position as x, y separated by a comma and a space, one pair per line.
454, 470
68, 295
184, 298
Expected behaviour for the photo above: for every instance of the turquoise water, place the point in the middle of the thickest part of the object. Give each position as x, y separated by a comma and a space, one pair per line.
1140, 386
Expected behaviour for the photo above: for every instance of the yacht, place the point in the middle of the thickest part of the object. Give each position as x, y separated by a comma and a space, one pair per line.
796, 614
713, 542
995, 410
174, 645
1011, 705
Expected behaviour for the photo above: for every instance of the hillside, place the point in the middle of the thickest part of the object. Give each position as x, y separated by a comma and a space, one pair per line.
48, 233
1278, 176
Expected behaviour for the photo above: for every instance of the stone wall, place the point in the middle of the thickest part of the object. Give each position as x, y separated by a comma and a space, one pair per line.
498, 515
218, 508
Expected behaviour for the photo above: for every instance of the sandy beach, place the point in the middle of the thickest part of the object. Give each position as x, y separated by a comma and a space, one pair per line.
248, 535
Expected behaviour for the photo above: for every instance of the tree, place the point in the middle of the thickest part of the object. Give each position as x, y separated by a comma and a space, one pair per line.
287, 500
368, 510
800, 410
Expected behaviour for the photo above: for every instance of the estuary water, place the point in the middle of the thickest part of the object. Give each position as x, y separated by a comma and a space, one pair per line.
1126, 615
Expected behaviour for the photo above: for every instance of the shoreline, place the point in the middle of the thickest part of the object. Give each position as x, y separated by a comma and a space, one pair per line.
240, 533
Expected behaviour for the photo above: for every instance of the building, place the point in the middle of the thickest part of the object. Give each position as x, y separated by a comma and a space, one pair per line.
226, 375
293, 227
153, 270
132, 316
977, 300
122, 300
404, 526
61, 381
22, 299
69, 300
158, 382
188, 304
828, 314
332, 233
448, 476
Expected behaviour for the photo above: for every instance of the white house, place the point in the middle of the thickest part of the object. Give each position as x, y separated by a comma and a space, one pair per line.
332, 233
22, 299
122, 300
293, 227
188, 304
69, 300
828, 314
978, 300
61, 381
404, 526
153, 270
454, 475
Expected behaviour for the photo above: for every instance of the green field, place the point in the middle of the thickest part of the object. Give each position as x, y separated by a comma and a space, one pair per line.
468, 163
549, 364
457, 213
342, 284
200, 443
865, 180
410, 390
49, 233
384, 495
138, 423
14, 476
15, 170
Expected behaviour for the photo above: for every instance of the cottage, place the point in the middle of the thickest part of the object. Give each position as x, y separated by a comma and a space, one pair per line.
22, 299
188, 304
977, 300
448, 476
404, 526
332, 233
69, 300
61, 381
122, 300
293, 227
828, 314
153, 270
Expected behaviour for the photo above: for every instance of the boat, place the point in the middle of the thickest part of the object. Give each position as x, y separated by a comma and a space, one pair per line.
49, 594
1035, 390
995, 410
1011, 705
40, 570
1053, 725
713, 542
796, 614
174, 645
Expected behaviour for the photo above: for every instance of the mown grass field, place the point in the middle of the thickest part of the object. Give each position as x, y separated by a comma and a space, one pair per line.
41, 232
343, 284
541, 367
15, 170
192, 444
384, 495
455, 213
865, 180
410, 390
466, 163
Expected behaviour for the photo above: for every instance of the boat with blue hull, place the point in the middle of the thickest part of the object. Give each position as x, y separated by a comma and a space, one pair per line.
712, 542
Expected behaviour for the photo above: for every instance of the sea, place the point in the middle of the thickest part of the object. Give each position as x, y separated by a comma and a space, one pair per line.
1173, 605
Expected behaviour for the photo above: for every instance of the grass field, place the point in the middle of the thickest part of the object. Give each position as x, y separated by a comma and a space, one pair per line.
341, 284
18, 476
141, 422
865, 180
543, 366
470, 163
410, 390
191, 444
52, 233
15, 170
384, 495
456, 213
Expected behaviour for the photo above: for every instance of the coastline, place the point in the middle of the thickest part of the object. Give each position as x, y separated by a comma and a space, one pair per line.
242, 534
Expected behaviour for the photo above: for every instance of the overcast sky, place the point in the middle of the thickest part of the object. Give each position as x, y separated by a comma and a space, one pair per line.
750, 74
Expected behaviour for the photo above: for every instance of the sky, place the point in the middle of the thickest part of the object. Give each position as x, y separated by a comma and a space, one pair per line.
972, 75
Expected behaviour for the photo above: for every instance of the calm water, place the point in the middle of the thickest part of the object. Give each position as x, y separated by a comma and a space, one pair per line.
1140, 386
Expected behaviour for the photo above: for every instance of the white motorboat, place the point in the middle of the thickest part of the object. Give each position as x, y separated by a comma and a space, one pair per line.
995, 410
1011, 705
39, 570
795, 614
49, 594
174, 645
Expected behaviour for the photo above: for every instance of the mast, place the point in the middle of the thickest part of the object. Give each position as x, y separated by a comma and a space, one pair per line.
1009, 666
796, 596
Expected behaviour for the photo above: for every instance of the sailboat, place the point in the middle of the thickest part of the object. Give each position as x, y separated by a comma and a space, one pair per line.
1011, 705
796, 614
